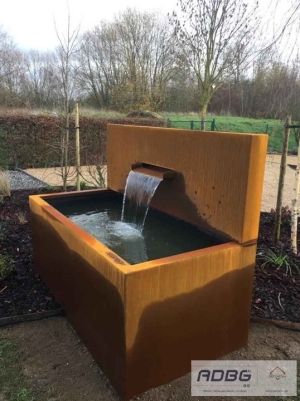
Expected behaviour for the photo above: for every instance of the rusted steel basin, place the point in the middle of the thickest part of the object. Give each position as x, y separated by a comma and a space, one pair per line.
144, 323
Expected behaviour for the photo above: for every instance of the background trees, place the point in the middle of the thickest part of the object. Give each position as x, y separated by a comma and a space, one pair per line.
213, 36
128, 63
138, 60
42, 87
11, 71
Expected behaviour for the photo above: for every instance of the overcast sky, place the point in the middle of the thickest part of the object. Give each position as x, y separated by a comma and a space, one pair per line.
31, 22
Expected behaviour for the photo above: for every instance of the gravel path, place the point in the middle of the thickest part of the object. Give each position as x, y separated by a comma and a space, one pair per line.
271, 179
21, 180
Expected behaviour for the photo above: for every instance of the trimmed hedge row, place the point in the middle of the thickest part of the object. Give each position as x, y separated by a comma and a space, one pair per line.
28, 141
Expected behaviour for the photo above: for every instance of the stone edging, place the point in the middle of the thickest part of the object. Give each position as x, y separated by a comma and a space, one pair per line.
6, 321
278, 323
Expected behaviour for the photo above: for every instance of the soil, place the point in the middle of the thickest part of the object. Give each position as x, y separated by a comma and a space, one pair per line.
276, 295
58, 367
22, 291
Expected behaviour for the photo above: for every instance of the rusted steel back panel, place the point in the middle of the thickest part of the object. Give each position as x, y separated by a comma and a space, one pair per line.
218, 185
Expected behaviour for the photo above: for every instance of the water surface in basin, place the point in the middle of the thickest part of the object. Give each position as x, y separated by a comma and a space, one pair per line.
162, 235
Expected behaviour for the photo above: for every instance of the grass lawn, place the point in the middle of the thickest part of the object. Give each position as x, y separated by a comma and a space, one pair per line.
12, 383
101, 113
274, 128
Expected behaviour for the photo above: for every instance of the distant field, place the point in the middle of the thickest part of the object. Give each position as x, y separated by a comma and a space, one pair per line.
274, 128
95, 113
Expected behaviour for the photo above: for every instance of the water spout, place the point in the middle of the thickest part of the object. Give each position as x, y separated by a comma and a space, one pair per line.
139, 191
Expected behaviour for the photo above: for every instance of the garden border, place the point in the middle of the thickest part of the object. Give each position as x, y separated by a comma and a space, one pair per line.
281, 324
30, 317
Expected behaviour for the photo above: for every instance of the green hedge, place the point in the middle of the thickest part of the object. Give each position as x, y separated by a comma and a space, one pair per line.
28, 141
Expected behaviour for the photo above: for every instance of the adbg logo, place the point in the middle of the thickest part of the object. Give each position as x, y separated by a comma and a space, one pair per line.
224, 375
277, 373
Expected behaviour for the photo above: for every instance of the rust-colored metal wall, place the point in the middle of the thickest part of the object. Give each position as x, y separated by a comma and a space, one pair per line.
220, 175
144, 323
83, 276
193, 307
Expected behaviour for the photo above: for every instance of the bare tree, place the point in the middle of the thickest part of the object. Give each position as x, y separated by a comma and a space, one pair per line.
210, 34
66, 75
42, 85
100, 69
12, 71
128, 62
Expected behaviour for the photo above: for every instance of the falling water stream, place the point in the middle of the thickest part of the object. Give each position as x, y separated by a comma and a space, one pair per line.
139, 191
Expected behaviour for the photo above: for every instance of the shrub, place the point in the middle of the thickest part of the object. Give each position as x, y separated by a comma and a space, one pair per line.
97, 175
51, 188
83, 185
279, 261
143, 114
21, 218
4, 183
6, 266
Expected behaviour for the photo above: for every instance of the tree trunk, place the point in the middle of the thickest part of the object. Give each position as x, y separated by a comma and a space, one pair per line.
66, 152
282, 178
77, 147
294, 227
203, 113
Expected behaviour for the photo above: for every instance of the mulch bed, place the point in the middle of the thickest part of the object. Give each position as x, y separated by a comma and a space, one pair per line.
22, 291
276, 295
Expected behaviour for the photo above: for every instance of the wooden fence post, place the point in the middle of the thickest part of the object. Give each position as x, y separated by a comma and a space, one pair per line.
296, 191
282, 178
77, 147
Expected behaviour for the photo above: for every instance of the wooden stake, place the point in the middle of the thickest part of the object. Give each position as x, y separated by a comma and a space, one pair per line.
77, 147
282, 178
296, 191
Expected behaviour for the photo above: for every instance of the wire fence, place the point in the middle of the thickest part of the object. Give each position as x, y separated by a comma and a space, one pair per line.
192, 124
275, 131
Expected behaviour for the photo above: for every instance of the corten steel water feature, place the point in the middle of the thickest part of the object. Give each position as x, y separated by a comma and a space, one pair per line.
144, 323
